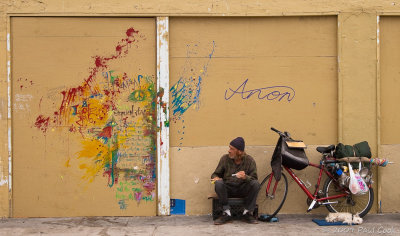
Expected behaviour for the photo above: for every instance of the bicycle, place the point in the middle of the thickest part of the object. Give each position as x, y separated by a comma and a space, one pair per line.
335, 194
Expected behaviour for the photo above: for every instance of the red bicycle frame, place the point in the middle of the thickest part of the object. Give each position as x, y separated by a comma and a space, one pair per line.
304, 188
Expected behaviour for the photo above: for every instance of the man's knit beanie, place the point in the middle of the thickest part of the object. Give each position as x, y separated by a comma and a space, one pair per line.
238, 143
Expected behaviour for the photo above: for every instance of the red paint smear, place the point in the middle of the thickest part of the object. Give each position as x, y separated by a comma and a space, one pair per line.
108, 173
72, 128
106, 92
69, 97
89, 85
125, 121
99, 62
42, 123
125, 76
123, 44
147, 132
161, 142
116, 178
118, 48
106, 132
131, 31
40, 102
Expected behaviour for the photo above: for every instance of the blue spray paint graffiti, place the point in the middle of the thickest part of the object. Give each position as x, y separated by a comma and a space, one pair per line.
187, 91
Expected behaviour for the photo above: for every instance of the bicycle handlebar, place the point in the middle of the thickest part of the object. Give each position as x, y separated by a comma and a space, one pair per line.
273, 129
282, 134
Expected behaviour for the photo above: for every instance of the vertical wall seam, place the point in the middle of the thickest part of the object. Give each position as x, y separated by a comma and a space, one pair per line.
340, 80
378, 108
9, 117
163, 169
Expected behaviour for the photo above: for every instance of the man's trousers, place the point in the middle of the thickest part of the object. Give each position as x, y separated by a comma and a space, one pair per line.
246, 190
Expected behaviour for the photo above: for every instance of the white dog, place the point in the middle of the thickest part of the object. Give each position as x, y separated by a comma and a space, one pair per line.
347, 218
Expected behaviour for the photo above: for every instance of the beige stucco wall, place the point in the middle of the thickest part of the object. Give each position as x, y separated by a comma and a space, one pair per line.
358, 84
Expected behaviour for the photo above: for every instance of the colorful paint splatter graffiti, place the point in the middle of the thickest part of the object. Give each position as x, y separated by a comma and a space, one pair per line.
186, 92
115, 115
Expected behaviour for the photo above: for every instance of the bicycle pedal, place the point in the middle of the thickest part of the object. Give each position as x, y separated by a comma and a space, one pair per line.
311, 205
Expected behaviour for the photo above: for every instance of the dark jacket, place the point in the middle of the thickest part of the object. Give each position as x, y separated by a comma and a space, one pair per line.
226, 167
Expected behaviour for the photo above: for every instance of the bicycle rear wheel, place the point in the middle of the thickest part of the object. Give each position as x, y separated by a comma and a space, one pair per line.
268, 204
355, 204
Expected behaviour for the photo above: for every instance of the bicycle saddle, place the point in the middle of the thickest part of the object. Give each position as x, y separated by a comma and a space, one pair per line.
326, 149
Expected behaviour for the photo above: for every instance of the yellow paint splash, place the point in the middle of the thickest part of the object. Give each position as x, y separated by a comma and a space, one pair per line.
95, 156
67, 163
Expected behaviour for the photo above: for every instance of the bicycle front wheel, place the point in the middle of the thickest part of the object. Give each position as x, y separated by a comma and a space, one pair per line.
355, 204
268, 202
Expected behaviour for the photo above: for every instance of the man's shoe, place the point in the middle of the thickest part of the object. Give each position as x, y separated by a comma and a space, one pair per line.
249, 218
224, 218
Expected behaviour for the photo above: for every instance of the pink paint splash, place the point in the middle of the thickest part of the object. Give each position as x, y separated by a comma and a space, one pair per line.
149, 186
138, 196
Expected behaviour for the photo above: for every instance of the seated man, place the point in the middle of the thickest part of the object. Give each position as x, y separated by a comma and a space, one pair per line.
236, 176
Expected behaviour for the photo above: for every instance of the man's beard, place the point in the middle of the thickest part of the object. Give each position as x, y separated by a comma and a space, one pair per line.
234, 156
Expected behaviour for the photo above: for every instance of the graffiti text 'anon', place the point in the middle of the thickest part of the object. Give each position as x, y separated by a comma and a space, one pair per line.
266, 93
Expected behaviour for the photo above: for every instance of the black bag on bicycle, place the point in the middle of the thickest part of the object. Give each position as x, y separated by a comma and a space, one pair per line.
293, 157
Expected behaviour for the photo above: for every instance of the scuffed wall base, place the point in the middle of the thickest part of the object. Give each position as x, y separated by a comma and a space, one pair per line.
4, 202
389, 177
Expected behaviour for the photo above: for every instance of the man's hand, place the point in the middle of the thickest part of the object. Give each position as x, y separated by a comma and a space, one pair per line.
241, 175
215, 179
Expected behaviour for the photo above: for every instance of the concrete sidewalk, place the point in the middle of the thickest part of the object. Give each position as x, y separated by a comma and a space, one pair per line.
387, 224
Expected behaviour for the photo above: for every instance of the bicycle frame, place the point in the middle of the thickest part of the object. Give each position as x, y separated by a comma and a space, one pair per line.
311, 196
